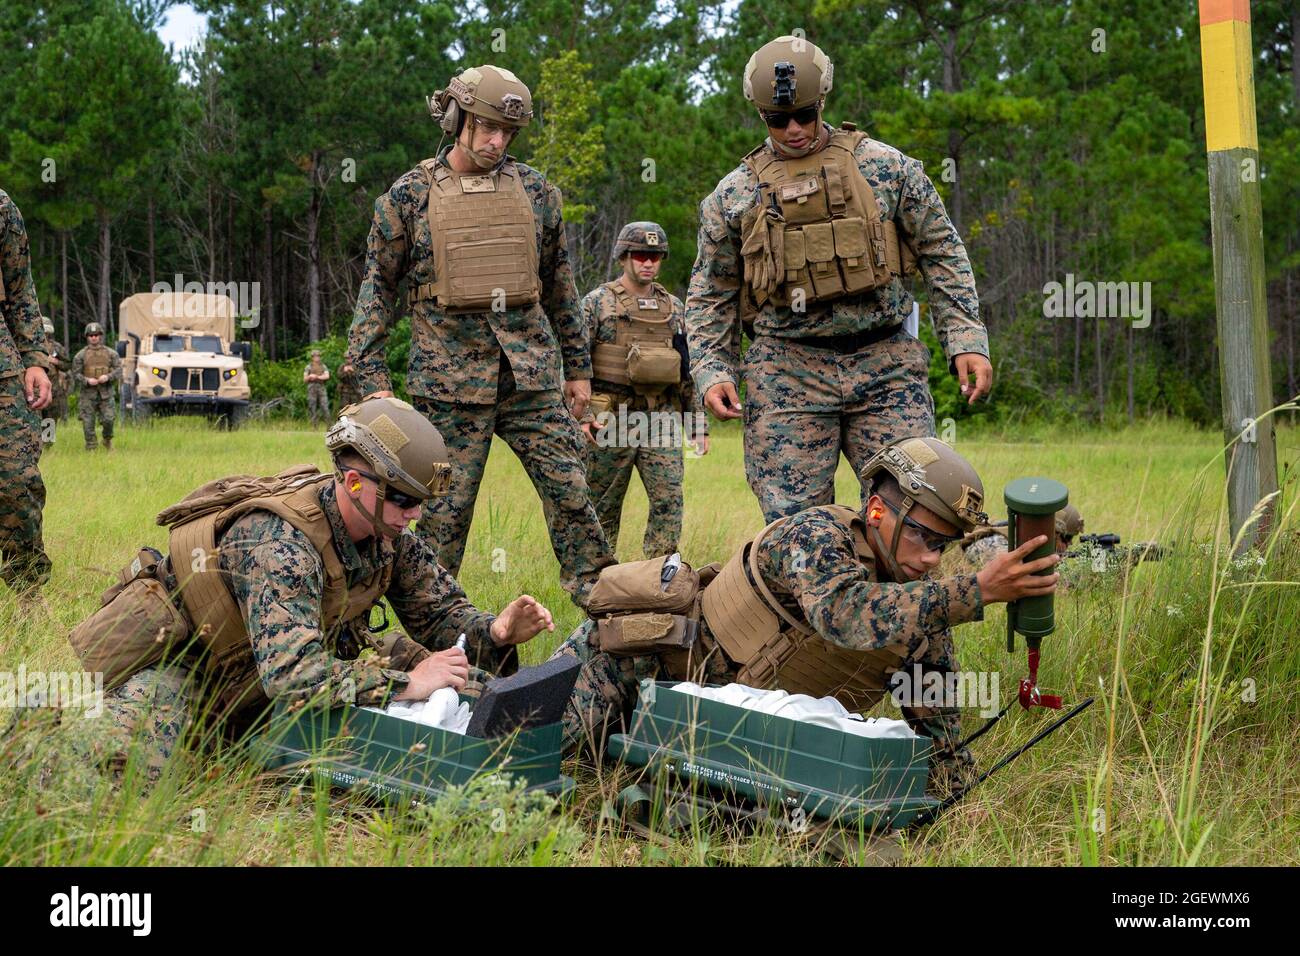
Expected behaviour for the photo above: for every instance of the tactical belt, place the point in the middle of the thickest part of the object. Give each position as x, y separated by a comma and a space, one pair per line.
849, 343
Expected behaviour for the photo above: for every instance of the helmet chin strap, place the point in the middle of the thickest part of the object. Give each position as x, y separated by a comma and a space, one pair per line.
792, 153
375, 517
890, 554
483, 162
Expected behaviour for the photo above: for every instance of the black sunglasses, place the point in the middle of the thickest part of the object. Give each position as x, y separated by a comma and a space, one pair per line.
931, 539
399, 498
779, 119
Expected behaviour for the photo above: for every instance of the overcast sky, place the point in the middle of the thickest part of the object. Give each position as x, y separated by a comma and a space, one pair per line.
182, 26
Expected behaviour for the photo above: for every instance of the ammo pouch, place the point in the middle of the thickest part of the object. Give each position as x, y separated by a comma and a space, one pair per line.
135, 625
635, 614
653, 365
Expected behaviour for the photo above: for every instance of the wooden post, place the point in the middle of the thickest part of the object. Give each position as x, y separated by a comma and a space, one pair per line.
1236, 223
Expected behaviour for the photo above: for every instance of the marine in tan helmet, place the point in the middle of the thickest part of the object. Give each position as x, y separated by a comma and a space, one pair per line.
268, 590
315, 375
638, 347
58, 372
96, 372
498, 344
831, 602
807, 245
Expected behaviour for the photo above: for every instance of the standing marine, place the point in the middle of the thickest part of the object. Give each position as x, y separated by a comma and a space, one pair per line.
497, 342
641, 391
24, 392
58, 373
828, 602
316, 374
348, 392
805, 245
96, 371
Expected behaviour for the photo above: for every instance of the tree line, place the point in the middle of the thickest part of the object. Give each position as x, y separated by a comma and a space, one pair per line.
1066, 138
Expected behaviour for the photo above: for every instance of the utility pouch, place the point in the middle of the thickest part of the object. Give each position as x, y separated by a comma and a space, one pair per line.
134, 627
653, 365
637, 586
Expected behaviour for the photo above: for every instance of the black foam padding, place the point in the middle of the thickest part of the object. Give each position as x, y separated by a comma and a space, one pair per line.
531, 698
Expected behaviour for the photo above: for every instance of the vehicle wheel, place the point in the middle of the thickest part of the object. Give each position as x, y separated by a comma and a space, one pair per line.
236, 416
141, 412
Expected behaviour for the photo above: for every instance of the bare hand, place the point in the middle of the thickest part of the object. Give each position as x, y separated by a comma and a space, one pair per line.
589, 429
37, 386
577, 395
1008, 576
101, 380
449, 668
90, 381
520, 621
723, 401
972, 363
701, 443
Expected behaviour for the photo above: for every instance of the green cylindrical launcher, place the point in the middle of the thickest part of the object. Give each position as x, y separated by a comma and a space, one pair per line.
1032, 504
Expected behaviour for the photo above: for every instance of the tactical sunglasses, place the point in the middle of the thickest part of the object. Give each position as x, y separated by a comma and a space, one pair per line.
643, 256
929, 539
399, 498
779, 119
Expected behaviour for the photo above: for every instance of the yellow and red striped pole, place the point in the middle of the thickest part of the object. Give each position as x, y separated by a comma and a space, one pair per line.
1236, 224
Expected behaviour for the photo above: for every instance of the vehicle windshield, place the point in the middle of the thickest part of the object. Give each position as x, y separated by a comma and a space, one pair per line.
205, 343
168, 343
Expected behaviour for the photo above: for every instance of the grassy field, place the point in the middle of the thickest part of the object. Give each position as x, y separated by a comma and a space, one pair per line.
1190, 754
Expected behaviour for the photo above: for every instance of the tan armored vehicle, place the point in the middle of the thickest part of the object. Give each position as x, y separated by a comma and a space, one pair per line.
179, 354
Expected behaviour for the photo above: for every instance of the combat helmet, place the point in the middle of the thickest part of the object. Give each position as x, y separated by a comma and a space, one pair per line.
931, 474
641, 236
787, 73
406, 452
94, 328
1069, 522
492, 92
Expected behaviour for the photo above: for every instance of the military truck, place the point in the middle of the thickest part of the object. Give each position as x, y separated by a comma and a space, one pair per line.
179, 355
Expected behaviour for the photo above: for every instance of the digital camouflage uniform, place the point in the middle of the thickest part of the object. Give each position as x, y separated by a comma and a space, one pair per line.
659, 463
478, 374
803, 403
348, 392
810, 565
97, 401
318, 402
59, 383
276, 578
22, 345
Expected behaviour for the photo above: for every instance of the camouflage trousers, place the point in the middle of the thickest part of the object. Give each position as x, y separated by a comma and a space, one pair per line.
803, 406
609, 472
607, 689
348, 395
318, 402
143, 721
540, 430
22, 492
97, 403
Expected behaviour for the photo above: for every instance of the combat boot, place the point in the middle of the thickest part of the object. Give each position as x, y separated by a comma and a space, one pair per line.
108, 444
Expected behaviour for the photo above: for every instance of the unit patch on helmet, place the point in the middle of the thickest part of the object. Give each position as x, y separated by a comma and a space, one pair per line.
390, 436
652, 238
919, 451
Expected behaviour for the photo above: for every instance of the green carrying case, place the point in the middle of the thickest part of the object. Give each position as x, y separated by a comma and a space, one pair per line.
874, 783
393, 759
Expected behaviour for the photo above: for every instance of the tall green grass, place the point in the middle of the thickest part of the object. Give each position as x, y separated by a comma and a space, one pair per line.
1189, 755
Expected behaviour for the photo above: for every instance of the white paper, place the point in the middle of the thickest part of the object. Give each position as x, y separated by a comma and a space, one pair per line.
824, 711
